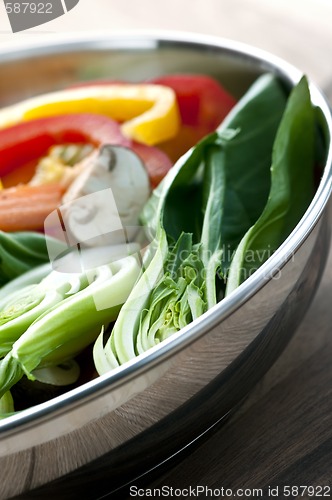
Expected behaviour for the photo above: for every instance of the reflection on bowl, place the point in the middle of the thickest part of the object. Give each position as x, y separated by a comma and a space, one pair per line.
158, 403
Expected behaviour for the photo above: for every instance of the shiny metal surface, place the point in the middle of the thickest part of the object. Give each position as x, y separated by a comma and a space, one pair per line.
196, 377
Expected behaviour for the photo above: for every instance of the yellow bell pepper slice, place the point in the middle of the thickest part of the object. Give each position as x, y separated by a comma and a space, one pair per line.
150, 112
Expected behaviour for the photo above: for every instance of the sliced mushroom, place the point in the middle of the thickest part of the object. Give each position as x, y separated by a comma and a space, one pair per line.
102, 205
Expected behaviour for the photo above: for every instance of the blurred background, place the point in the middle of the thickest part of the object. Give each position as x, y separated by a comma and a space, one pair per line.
297, 30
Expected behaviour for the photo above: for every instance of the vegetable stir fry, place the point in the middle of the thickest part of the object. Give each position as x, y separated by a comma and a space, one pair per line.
129, 210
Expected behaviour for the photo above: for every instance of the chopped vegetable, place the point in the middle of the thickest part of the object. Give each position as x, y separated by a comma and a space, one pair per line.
63, 330
63, 374
149, 112
22, 251
21, 308
129, 188
26, 207
37, 136
202, 101
23, 277
58, 165
107, 168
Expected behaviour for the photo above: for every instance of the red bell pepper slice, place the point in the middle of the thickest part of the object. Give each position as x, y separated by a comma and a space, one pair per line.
28, 141
202, 101
203, 104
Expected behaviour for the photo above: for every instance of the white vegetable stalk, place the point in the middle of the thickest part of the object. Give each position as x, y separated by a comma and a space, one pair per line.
66, 328
65, 374
21, 308
128, 320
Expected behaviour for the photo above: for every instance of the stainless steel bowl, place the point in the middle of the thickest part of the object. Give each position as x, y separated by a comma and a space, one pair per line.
152, 407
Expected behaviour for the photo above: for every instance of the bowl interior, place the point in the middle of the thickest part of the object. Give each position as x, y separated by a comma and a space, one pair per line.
30, 72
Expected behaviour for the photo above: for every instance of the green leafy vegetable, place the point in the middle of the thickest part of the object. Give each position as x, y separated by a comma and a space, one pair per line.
291, 187
21, 251
62, 330
245, 140
199, 212
22, 307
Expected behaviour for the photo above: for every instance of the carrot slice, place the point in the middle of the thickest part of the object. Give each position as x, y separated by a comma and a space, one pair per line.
26, 207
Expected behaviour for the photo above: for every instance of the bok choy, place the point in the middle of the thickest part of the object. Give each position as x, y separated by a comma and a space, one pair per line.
53, 321
200, 212
19, 252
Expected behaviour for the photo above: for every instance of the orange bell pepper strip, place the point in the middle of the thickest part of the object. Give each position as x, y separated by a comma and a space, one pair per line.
25, 208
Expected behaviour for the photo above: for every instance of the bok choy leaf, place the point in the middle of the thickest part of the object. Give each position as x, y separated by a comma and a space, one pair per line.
291, 187
245, 140
21, 251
